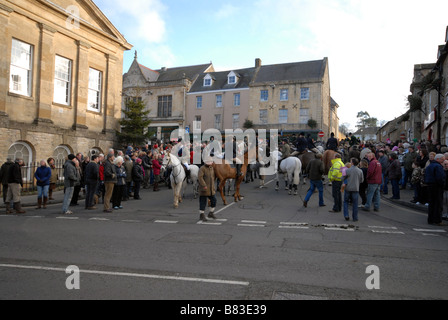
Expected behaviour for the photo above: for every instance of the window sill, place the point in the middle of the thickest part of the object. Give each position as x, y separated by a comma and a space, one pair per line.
61, 105
18, 95
97, 113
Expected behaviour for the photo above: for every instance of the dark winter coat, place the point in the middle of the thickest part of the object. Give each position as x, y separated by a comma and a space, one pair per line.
434, 174
4, 172
121, 175
137, 173
15, 174
109, 172
394, 170
70, 174
43, 176
92, 173
315, 169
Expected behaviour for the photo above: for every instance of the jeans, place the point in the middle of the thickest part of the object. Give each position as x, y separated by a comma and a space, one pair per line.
353, 195
42, 191
337, 195
395, 188
203, 202
137, 189
384, 187
373, 194
67, 198
316, 184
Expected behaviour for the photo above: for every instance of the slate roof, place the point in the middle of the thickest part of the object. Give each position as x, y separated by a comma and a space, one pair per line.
220, 80
149, 74
191, 72
298, 71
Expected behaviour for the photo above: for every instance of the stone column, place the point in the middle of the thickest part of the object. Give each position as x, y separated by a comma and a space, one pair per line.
81, 86
45, 79
112, 103
5, 11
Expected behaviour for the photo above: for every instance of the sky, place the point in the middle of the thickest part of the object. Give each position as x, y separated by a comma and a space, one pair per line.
372, 46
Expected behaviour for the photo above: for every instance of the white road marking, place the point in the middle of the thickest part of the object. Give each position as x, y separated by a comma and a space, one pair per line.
226, 207
250, 221
166, 221
293, 227
338, 229
430, 230
251, 225
99, 219
210, 223
380, 227
431, 234
388, 232
133, 275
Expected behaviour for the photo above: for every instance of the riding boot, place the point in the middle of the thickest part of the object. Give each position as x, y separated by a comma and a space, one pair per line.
45, 203
202, 216
39, 203
18, 207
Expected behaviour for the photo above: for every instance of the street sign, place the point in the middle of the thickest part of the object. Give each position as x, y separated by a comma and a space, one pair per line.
321, 134
187, 130
403, 136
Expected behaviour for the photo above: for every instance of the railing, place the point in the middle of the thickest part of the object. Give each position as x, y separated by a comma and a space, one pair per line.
29, 182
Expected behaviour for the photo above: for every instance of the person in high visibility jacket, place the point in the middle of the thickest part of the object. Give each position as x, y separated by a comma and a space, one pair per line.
335, 176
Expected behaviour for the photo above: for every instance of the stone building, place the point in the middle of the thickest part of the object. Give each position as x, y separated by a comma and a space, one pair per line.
62, 62
287, 96
164, 93
219, 100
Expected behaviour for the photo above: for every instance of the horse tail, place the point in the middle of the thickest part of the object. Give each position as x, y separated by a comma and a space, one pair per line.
297, 171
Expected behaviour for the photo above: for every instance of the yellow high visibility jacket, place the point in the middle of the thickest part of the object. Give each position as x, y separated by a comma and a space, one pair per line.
335, 173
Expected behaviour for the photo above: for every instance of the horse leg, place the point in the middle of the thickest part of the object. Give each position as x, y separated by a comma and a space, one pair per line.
295, 189
221, 191
290, 189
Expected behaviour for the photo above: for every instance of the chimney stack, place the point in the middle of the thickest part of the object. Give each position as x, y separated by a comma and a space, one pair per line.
257, 63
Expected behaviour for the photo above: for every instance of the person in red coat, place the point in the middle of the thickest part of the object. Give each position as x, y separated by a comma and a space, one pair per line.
156, 171
374, 180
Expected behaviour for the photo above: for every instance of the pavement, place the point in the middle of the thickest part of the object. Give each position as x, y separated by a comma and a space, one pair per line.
406, 196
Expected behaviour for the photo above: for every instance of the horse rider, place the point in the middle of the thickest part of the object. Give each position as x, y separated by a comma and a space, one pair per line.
302, 143
237, 162
332, 143
285, 151
183, 153
311, 145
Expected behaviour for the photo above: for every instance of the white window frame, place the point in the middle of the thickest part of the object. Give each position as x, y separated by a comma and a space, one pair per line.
264, 97
67, 81
61, 150
97, 90
218, 124
199, 102
236, 99
305, 94
281, 118
208, 81
17, 66
236, 121
219, 101
284, 95
304, 116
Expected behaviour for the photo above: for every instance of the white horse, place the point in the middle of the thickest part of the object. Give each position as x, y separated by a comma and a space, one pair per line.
291, 168
194, 176
178, 178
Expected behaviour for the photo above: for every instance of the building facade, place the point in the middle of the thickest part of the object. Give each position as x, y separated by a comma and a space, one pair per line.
62, 62
164, 93
219, 100
287, 96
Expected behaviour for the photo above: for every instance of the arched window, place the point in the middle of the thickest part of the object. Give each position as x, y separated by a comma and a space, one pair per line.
61, 153
94, 151
21, 150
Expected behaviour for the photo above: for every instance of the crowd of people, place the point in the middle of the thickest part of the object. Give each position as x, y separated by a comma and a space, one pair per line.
364, 171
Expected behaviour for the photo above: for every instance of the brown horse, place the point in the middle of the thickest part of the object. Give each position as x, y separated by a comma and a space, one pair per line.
327, 157
306, 158
224, 171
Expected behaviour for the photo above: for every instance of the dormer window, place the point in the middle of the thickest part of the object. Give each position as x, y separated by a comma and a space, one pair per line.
208, 80
232, 78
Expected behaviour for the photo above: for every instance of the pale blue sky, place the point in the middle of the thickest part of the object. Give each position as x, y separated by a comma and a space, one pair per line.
372, 46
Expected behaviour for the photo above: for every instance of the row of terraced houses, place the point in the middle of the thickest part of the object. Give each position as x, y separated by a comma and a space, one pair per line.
62, 87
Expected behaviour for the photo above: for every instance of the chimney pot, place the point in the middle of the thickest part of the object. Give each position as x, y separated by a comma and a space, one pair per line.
257, 63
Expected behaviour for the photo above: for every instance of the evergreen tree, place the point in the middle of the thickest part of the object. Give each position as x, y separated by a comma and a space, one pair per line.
135, 123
